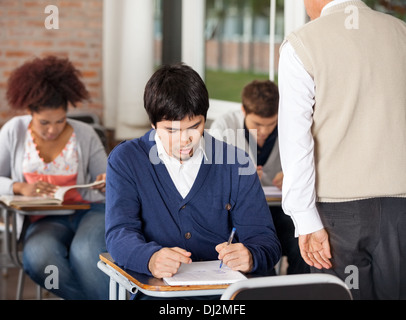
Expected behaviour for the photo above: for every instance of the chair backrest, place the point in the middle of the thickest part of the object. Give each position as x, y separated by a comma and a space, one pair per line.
94, 121
314, 286
84, 116
101, 132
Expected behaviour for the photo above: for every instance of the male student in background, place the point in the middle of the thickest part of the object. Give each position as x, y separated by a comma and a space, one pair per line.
254, 129
174, 198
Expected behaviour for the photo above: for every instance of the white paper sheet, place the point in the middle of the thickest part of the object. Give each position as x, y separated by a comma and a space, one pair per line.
204, 273
60, 193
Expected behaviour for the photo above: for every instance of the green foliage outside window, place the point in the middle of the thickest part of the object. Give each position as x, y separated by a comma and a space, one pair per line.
396, 8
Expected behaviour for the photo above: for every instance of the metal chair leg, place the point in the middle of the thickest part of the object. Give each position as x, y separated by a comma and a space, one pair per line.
39, 292
20, 284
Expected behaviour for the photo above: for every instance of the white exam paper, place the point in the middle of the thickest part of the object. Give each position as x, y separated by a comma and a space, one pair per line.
204, 273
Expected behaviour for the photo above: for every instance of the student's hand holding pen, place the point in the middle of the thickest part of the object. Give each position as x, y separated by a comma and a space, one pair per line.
166, 262
235, 256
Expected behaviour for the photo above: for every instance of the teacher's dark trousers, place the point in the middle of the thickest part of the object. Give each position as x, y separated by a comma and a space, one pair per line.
368, 246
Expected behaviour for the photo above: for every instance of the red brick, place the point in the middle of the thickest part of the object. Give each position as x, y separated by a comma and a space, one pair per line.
89, 74
18, 54
70, 4
37, 43
61, 54
34, 4
72, 44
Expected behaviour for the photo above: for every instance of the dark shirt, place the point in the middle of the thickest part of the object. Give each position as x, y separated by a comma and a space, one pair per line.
263, 152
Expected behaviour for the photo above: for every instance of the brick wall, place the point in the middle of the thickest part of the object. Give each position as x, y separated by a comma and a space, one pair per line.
23, 35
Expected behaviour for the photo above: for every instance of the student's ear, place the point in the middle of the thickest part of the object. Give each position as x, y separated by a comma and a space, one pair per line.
243, 110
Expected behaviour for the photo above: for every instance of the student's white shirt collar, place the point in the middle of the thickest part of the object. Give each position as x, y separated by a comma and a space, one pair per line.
183, 174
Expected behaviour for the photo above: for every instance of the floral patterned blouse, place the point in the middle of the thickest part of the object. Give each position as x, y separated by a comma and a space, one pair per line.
62, 171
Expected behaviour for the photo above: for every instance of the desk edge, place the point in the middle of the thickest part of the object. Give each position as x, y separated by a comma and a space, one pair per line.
106, 258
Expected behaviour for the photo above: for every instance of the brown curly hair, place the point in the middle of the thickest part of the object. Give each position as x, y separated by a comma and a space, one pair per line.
50, 82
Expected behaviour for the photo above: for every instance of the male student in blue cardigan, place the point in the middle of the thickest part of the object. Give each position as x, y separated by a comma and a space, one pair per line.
174, 195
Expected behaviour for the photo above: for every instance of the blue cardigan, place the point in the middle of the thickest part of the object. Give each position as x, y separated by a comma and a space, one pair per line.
145, 212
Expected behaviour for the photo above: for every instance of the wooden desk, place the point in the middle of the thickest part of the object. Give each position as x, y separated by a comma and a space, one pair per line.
273, 195
274, 202
132, 282
46, 209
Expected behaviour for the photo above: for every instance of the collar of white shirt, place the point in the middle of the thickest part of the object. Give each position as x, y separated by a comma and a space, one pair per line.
183, 174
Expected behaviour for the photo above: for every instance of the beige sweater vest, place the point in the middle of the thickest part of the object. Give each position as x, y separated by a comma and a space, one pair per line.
357, 58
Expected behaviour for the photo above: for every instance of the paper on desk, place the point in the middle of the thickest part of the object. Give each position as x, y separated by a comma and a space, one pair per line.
272, 192
204, 273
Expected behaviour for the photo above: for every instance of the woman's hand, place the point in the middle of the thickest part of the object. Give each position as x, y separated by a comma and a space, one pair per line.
37, 189
102, 186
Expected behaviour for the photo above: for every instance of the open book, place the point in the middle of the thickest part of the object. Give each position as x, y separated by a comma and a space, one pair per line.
204, 273
57, 199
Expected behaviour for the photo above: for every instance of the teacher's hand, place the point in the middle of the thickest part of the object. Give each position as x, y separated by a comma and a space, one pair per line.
315, 249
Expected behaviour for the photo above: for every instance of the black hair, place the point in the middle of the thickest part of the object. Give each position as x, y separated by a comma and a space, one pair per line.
174, 92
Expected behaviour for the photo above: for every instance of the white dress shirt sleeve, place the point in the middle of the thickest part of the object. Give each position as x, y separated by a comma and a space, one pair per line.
297, 98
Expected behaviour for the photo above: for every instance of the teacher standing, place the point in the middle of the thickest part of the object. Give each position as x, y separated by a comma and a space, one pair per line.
342, 120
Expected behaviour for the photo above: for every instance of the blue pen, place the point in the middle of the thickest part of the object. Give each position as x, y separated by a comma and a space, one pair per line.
230, 239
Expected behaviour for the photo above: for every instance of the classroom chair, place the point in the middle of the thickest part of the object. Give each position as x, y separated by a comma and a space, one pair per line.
314, 286
94, 121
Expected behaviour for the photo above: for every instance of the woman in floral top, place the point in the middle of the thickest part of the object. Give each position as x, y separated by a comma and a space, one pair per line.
44, 150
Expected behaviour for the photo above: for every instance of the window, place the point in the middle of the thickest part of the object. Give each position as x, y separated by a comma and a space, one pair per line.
396, 8
237, 34
237, 44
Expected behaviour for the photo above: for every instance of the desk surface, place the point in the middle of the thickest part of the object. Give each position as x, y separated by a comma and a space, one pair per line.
153, 284
273, 199
274, 202
80, 206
